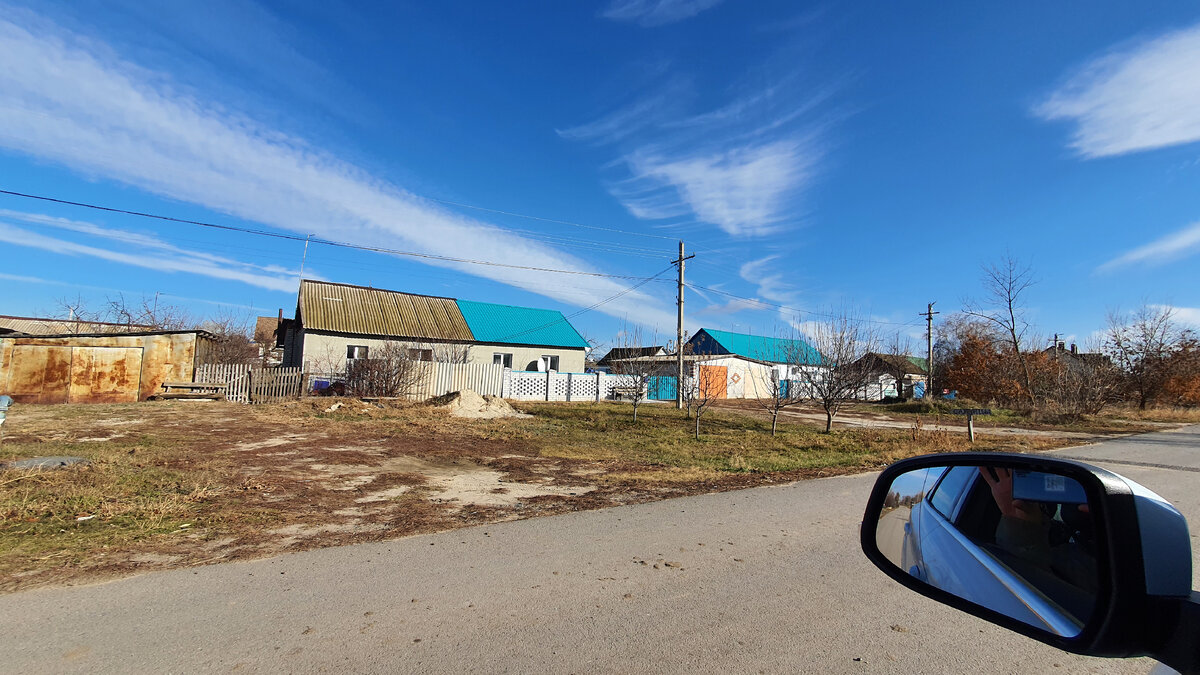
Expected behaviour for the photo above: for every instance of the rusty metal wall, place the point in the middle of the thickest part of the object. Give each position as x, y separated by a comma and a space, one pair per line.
94, 369
105, 374
39, 374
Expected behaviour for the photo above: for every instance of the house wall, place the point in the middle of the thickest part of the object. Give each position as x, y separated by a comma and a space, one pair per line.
327, 352
103, 369
744, 379
525, 358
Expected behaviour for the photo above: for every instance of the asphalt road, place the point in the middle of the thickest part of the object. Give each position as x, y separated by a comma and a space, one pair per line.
762, 580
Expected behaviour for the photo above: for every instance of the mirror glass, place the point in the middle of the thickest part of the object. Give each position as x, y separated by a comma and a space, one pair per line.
1019, 542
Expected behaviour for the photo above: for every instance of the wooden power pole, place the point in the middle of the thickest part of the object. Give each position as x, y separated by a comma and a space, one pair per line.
679, 332
928, 314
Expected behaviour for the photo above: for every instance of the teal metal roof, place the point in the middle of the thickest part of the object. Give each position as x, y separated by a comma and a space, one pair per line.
506, 324
761, 347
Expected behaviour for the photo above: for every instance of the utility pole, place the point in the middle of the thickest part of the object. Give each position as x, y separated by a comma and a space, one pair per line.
928, 314
679, 332
304, 258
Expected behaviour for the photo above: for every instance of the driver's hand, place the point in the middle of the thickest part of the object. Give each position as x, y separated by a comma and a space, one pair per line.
1000, 481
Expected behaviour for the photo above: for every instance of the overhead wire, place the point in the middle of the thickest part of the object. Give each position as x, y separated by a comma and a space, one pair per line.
313, 240
607, 300
764, 303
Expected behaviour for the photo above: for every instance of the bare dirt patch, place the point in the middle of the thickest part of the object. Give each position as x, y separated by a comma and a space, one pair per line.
190, 484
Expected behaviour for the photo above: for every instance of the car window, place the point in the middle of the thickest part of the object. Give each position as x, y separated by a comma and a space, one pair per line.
947, 490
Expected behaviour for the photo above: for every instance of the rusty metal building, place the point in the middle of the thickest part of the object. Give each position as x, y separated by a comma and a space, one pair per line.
98, 367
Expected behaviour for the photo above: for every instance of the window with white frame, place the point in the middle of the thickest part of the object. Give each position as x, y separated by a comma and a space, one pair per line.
356, 352
550, 361
502, 359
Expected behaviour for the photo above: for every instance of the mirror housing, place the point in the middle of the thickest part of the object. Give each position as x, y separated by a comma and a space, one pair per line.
1143, 561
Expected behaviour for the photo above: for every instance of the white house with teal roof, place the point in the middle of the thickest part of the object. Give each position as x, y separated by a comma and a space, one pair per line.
336, 323
750, 364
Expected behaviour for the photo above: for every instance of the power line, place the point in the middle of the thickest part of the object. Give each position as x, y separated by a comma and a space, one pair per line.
590, 308
326, 242
793, 309
549, 220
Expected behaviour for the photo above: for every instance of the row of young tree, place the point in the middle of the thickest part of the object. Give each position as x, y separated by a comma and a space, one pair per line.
989, 352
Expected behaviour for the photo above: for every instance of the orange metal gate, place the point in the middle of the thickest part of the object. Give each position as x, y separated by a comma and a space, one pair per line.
714, 381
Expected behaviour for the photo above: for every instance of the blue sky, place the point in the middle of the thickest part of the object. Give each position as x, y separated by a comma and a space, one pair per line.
813, 157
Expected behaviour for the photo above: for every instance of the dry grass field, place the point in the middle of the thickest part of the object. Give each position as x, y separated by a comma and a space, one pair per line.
175, 484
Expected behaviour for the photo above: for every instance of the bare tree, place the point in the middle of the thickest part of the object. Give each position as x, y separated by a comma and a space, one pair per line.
638, 373
391, 370
793, 355
1083, 383
699, 392
148, 312
451, 352
1140, 345
899, 364
235, 341
842, 340
1005, 284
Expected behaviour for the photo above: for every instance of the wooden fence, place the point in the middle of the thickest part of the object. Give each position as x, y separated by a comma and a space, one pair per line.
253, 384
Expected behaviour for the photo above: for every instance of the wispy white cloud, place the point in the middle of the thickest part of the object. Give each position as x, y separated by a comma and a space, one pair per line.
1188, 316
1133, 98
745, 190
164, 259
71, 101
620, 123
144, 242
24, 279
1174, 246
649, 13
741, 167
771, 284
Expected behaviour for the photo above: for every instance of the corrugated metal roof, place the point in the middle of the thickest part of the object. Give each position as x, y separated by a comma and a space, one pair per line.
763, 348
36, 326
341, 308
506, 324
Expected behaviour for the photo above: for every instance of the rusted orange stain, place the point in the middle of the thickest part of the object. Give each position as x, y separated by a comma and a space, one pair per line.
94, 369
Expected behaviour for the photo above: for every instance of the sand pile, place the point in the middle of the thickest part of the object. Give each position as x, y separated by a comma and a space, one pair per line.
467, 403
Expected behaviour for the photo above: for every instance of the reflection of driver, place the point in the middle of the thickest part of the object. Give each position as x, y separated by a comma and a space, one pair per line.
1054, 537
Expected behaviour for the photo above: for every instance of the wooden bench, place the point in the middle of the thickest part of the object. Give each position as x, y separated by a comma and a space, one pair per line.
192, 390
624, 392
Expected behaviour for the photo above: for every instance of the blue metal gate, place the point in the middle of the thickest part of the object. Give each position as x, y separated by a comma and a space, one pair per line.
662, 388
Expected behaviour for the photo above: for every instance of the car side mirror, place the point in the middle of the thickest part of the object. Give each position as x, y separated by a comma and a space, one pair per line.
1060, 551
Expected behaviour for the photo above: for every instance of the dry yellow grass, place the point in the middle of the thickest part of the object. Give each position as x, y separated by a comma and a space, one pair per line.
168, 480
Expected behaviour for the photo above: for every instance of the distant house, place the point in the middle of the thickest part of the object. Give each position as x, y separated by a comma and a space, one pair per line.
610, 361
1071, 355
337, 323
893, 375
268, 337
743, 366
774, 350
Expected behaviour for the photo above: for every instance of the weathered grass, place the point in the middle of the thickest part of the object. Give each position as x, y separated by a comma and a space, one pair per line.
167, 465
730, 442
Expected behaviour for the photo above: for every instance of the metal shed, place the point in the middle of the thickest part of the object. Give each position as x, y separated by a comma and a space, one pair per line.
98, 367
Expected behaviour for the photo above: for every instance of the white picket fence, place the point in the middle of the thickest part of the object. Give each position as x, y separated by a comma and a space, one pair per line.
253, 384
